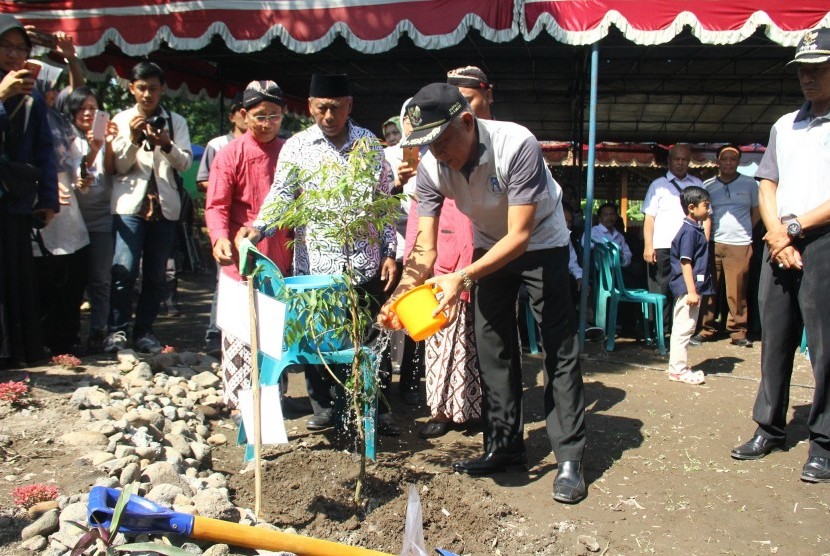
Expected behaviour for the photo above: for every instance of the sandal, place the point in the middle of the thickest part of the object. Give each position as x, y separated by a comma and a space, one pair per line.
688, 376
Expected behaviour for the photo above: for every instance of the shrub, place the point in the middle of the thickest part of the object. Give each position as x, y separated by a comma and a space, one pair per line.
67, 361
29, 495
15, 394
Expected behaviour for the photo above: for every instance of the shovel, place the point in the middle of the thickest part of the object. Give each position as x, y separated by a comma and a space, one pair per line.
142, 516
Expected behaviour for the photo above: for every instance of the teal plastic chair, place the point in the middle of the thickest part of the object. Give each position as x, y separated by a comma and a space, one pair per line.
269, 280
612, 291
530, 324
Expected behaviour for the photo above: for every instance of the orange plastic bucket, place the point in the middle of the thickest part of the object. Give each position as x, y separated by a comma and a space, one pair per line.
414, 309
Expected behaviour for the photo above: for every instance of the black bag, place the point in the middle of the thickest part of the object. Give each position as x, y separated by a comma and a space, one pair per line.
19, 179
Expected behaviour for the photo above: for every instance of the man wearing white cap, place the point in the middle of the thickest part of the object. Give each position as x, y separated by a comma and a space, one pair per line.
794, 199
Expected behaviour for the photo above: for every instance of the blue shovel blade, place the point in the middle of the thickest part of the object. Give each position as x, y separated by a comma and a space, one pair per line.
443, 552
139, 514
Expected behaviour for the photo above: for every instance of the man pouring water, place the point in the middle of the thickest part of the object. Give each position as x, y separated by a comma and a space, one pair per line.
495, 173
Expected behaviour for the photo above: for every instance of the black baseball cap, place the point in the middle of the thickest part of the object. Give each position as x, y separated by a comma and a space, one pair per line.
430, 112
813, 48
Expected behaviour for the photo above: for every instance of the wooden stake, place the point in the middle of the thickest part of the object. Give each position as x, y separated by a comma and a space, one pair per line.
255, 391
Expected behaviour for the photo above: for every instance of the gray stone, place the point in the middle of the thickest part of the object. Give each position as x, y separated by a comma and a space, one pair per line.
163, 472
35, 544
138, 375
179, 443
84, 438
44, 526
89, 397
165, 494
128, 356
206, 379
130, 474
189, 359
150, 453
183, 372
218, 550
109, 482
69, 533
214, 503
115, 466
201, 453
163, 362
216, 480
124, 451
101, 457
217, 440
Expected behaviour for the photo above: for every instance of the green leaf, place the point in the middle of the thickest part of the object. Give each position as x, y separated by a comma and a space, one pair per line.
123, 498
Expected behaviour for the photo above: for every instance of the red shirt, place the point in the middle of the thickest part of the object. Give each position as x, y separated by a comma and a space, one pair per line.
240, 178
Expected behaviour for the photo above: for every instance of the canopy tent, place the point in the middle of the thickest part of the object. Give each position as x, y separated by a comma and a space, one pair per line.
671, 70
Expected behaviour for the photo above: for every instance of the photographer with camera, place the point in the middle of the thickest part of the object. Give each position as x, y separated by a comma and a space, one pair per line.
151, 149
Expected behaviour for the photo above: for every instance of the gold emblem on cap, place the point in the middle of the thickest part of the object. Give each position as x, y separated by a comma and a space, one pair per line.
809, 41
415, 116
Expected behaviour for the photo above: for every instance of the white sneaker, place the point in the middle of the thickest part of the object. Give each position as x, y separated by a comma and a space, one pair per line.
115, 342
147, 344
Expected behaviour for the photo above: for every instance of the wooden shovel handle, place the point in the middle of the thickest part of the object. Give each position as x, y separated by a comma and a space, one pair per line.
225, 532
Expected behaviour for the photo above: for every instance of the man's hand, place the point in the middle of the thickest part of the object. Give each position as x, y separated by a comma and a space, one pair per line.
65, 45
692, 299
777, 239
649, 255
250, 234
157, 137
138, 124
388, 273
451, 285
386, 318
789, 258
223, 251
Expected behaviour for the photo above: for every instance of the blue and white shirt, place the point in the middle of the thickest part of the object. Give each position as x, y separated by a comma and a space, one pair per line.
308, 151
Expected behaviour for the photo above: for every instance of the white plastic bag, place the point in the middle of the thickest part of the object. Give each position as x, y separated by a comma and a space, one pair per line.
413, 542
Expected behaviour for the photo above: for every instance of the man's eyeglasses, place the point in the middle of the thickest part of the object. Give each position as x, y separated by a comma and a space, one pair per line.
275, 118
14, 49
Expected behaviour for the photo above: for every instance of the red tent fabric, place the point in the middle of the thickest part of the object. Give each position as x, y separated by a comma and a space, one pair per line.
582, 22
371, 26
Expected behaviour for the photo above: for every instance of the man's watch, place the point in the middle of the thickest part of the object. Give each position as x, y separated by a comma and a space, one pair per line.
794, 229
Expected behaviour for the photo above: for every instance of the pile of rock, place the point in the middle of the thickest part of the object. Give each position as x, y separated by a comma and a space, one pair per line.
145, 422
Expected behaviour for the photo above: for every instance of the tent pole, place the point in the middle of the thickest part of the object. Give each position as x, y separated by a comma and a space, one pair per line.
589, 196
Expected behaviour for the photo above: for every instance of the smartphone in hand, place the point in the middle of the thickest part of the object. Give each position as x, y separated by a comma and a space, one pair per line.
34, 68
411, 156
99, 125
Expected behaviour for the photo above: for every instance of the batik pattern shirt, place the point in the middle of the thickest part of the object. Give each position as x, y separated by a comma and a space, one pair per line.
307, 152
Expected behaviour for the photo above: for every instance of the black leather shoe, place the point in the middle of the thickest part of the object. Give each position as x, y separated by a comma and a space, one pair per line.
569, 484
387, 426
816, 470
411, 397
757, 447
742, 342
492, 463
434, 429
295, 407
320, 421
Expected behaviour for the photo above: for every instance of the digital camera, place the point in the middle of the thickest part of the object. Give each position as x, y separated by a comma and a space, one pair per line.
157, 122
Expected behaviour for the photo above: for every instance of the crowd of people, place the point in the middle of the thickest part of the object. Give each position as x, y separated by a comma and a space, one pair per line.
482, 218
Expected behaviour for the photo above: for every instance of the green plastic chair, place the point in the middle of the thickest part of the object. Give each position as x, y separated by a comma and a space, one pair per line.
612, 291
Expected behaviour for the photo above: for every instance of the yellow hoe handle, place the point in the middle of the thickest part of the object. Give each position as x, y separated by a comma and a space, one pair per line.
218, 531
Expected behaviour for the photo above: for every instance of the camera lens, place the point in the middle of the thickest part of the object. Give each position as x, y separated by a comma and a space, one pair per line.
156, 121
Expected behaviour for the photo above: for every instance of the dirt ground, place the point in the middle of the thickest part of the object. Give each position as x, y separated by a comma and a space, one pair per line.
660, 476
